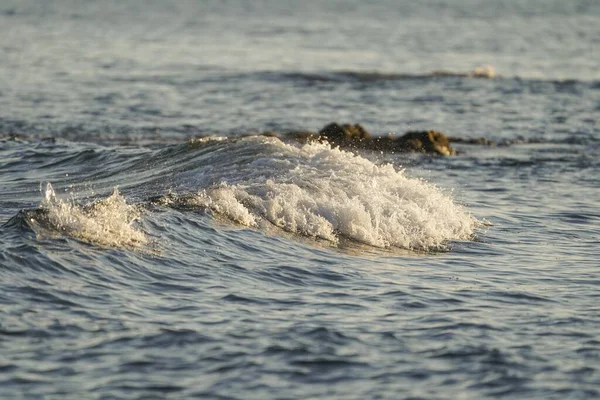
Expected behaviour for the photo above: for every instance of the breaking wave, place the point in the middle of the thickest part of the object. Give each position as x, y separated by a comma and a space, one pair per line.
106, 222
323, 192
313, 190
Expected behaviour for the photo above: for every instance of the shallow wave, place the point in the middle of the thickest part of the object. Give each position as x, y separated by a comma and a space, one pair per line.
310, 191
311, 78
484, 71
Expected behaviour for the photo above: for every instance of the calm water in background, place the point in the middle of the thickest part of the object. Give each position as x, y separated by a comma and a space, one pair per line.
233, 267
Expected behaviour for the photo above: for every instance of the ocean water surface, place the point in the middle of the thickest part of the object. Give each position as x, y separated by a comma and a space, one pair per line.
155, 244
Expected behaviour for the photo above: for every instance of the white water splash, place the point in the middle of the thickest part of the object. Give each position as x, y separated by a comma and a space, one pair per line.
321, 192
106, 222
483, 71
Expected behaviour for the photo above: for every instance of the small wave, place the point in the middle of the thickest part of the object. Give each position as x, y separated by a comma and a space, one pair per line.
327, 193
568, 85
107, 222
483, 71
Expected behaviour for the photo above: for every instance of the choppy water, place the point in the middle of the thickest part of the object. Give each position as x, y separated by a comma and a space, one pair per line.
153, 246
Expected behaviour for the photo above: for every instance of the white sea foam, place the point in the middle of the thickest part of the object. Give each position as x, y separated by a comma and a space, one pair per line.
106, 222
318, 191
483, 71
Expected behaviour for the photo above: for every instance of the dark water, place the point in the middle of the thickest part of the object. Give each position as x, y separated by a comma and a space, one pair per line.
152, 246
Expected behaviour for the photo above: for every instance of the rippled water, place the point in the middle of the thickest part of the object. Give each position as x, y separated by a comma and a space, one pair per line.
153, 245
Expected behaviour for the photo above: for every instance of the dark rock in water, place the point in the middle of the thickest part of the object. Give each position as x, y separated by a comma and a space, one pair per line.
425, 142
344, 134
303, 136
354, 136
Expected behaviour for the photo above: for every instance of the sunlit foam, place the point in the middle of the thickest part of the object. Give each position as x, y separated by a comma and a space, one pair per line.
327, 193
106, 222
483, 71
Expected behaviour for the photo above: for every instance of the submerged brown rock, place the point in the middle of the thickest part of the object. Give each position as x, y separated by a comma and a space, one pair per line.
344, 134
426, 142
354, 136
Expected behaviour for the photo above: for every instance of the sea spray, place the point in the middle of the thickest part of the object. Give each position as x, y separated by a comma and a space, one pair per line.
105, 222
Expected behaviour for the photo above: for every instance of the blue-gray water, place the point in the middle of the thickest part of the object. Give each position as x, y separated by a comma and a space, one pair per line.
152, 247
